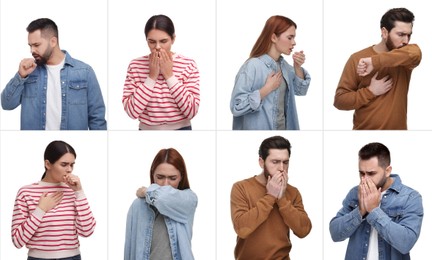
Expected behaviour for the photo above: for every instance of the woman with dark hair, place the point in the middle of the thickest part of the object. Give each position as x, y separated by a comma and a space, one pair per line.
49, 215
159, 222
161, 89
263, 97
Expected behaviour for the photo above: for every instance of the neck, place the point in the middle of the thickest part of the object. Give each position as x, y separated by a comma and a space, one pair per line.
261, 178
380, 47
56, 57
274, 54
388, 183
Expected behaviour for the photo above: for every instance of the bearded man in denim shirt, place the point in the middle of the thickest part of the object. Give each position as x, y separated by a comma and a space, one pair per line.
55, 91
381, 217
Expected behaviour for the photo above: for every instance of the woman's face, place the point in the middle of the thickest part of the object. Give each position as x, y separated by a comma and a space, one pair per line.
157, 39
56, 172
167, 174
286, 41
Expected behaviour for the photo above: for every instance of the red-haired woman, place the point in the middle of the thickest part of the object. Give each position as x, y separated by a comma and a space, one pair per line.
159, 222
263, 97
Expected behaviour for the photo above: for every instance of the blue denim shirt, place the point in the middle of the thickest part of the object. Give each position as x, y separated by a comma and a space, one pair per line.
83, 106
252, 113
177, 207
398, 221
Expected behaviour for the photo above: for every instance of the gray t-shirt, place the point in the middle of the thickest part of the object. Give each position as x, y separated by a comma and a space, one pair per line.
160, 246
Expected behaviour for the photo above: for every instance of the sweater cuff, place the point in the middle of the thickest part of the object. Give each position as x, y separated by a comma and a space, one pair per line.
80, 195
39, 213
172, 81
149, 82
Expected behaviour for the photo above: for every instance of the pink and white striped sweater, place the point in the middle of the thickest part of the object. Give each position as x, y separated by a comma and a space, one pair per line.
52, 234
162, 104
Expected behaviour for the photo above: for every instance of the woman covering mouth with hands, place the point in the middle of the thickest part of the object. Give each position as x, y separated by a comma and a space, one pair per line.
161, 89
49, 215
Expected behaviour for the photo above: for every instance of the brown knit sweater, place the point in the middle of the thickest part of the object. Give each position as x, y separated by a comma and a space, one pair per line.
263, 223
385, 112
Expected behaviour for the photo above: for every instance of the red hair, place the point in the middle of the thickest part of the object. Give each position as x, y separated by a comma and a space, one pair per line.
275, 25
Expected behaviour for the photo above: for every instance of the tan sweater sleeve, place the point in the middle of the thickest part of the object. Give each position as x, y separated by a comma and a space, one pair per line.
352, 92
246, 218
408, 56
293, 213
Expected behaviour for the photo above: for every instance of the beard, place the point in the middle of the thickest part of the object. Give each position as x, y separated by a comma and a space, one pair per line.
382, 182
390, 45
42, 60
266, 172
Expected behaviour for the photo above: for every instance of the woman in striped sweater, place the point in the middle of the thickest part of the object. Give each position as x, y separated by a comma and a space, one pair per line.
49, 215
161, 89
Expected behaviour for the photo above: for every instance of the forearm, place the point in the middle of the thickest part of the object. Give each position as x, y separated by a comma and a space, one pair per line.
176, 204
186, 95
136, 96
85, 221
345, 224
246, 220
11, 94
23, 228
408, 56
402, 236
295, 217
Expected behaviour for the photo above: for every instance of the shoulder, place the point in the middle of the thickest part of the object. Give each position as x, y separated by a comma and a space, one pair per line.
183, 60
139, 62
76, 63
366, 52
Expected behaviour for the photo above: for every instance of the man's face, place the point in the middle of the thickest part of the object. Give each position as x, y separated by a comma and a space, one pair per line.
371, 169
276, 161
41, 48
399, 36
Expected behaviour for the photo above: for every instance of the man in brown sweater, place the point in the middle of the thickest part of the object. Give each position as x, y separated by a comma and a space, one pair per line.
375, 80
264, 208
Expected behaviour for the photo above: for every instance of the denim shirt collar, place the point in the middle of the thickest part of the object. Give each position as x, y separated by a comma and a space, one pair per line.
397, 183
270, 62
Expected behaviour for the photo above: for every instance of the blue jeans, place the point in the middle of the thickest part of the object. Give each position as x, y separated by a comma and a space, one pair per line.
77, 257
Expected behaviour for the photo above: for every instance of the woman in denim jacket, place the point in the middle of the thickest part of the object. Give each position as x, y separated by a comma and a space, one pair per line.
159, 221
263, 97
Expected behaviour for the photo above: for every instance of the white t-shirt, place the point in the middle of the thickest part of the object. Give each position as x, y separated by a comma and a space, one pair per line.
54, 98
373, 252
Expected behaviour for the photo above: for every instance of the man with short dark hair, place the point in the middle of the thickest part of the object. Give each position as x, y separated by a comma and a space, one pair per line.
381, 217
265, 208
375, 80
55, 91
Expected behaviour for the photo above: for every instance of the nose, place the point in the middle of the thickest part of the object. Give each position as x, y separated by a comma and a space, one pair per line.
166, 182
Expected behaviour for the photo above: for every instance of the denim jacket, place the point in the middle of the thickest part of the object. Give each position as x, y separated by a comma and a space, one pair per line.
177, 207
83, 106
252, 113
398, 221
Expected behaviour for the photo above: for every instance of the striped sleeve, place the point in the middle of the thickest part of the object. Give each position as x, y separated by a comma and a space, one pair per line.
25, 222
185, 89
85, 222
137, 89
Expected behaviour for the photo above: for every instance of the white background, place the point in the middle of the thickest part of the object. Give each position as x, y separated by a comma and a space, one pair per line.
239, 24
409, 159
22, 163
109, 34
